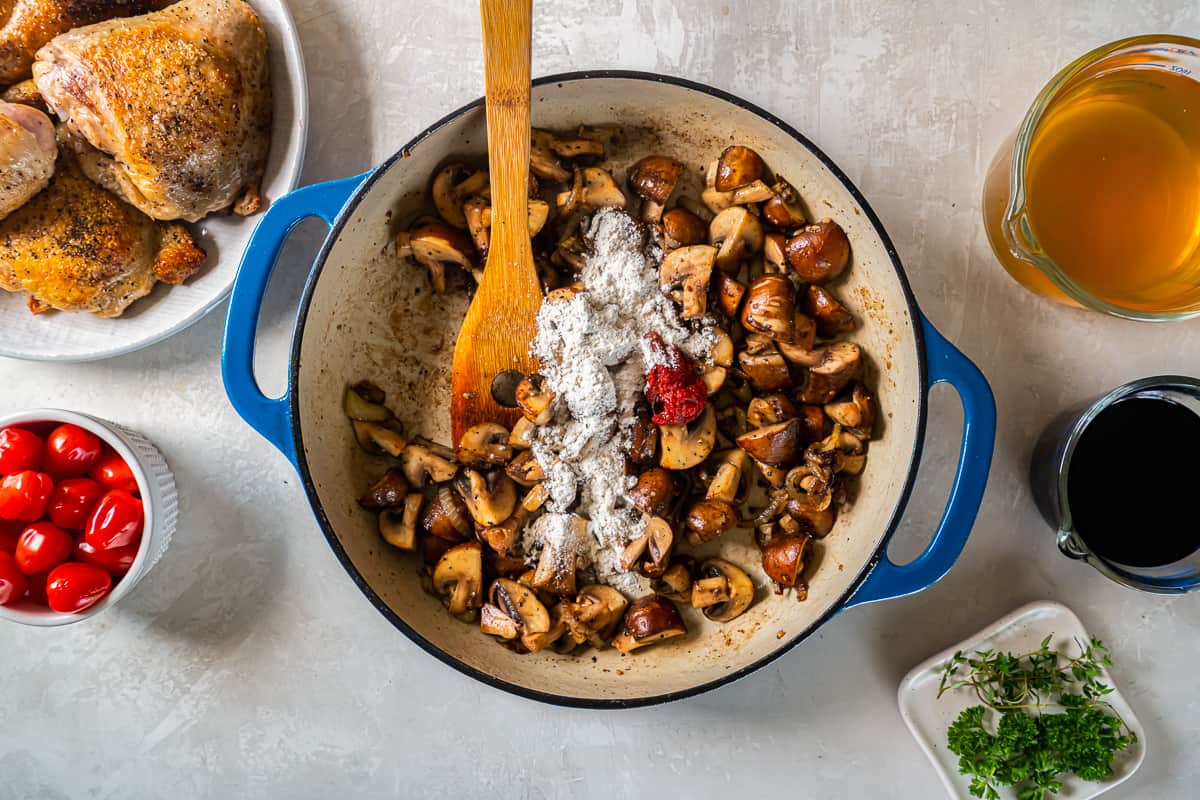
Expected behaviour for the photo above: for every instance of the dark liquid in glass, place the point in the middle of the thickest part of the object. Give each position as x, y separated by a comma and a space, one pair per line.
1134, 483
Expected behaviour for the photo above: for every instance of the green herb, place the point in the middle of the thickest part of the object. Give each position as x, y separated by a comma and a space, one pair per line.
1029, 749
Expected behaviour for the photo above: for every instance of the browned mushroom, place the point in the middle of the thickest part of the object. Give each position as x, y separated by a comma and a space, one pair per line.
729, 293
654, 179
738, 234
534, 399
387, 492
543, 161
525, 469
709, 519
484, 445
424, 462
769, 410
653, 492
490, 496
685, 446
399, 528
473, 211
458, 578
763, 365
651, 548
594, 188
643, 442
724, 591
520, 604
783, 559
813, 424
363, 402
446, 196
574, 148
813, 521
726, 483
831, 317
648, 620
856, 414
446, 516
536, 642
774, 261
755, 192
776, 445
379, 439
594, 615
436, 245
495, 622
738, 166
770, 307
819, 253
839, 364
676, 581
783, 209
682, 228
521, 437
684, 276
503, 538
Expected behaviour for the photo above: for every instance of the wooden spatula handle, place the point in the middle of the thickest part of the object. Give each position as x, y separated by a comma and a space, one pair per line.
506, 55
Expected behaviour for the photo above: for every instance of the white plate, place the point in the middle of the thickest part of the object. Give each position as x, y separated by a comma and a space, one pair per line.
57, 336
1019, 632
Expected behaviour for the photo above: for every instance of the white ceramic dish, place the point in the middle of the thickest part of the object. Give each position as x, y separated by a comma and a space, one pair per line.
56, 336
1020, 632
156, 485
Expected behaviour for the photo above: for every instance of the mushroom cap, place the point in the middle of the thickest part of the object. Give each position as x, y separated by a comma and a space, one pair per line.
737, 166
655, 177
681, 227
534, 399
685, 446
522, 604
820, 252
770, 409
740, 588
422, 462
783, 558
490, 497
770, 307
446, 516
839, 364
776, 445
387, 492
379, 439
446, 198
525, 469
783, 210
459, 575
653, 491
831, 317
484, 445
739, 234
709, 519
684, 276
399, 528
649, 619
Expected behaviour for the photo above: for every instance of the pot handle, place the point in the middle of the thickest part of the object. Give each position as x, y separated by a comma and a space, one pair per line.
270, 416
945, 364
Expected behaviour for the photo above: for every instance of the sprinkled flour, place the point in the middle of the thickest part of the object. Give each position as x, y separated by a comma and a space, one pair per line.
594, 358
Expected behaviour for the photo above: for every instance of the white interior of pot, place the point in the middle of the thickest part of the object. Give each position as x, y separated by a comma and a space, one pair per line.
372, 315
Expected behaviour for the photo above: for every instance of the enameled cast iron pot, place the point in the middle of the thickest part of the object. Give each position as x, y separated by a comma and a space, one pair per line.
367, 314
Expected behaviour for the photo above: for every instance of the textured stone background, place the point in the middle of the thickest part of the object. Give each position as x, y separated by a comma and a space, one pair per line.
248, 665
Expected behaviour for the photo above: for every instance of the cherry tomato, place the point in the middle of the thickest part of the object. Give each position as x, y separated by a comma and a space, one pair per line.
37, 587
112, 472
19, 449
71, 451
12, 581
9, 531
43, 546
116, 521
117, 560
23, 495
73, 587
72, 502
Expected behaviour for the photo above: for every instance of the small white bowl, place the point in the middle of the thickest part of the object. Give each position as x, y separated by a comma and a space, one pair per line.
160, 502
1022, 631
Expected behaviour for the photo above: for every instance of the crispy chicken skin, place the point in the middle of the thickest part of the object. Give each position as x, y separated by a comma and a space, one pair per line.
78, 247
27, 153
175, 106
26, 25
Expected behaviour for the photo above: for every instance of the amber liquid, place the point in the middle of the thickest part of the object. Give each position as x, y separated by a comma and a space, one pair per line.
1113, 189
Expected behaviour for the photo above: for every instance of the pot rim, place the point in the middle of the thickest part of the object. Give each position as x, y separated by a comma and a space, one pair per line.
346, 213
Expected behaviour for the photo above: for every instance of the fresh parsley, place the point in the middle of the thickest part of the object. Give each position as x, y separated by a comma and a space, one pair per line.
1030, 749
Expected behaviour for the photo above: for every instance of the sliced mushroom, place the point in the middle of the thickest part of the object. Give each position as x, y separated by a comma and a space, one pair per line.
724, 590
377, 439
729, 293
539, 212
774, 476
770, 410
770, 307
359, 408
520, 603
446, 197
473, 210
685, 446
446, 516
656, 542
840, 363
536, 642
503, 538
424, 461
594, 614
813, 521
738, 166
682, 228
435, 245
783, 210
521, 437
648, 620
857, 414
774, 261
831, 317
554, 573
535, 399
543, 161
653, 492
684, 276
490, 497
484, 445
525, 469
432, 548
709, 519
595, 188
755, 192
776, 445
764, 366
387, 492
495, 622
727, 480
535, 498
654, 179
714, 378
738, 234
458, 578
819, 253
813, 424
676, 581
783, 559
399, 529
643, 441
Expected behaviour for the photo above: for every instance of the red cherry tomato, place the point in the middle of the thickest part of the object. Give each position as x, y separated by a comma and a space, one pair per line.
12, 581
117, 521
37, 588
9, 531
117, 560
71, 451
112, 472
43, 546
23, 495
73, 587
19, 449
72, 501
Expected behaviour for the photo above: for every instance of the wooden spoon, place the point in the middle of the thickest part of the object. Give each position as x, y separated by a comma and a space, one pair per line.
500, 324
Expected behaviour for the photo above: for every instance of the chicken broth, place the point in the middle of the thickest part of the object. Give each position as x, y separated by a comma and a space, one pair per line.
1154, 522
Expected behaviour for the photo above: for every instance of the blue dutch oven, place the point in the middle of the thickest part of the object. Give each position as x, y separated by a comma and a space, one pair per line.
367, 314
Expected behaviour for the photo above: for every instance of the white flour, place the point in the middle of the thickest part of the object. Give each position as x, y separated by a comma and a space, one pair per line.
594, 357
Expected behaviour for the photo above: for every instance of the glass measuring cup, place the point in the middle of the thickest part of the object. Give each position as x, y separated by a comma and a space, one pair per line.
1051, 466
1011, 229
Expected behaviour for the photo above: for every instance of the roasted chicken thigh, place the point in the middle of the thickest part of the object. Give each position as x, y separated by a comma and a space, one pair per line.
27, 153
